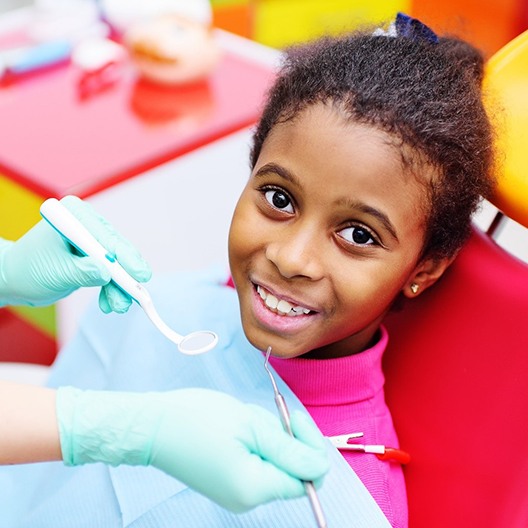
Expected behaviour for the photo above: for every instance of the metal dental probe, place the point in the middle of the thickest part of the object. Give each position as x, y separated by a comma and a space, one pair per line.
285, 419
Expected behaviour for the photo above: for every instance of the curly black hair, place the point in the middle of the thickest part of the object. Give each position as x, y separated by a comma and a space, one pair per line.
426, 95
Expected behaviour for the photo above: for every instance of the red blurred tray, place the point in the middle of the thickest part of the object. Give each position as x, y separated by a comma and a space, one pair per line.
56, 138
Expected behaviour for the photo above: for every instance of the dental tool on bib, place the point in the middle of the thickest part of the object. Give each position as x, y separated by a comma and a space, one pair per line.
72, 230
284, 414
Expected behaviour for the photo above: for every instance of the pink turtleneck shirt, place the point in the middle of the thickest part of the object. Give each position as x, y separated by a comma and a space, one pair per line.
345, 395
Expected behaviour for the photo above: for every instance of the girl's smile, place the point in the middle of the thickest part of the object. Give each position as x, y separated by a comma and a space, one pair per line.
278, 314
321, 245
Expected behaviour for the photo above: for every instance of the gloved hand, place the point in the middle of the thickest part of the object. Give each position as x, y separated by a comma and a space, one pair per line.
41, 267
234, 453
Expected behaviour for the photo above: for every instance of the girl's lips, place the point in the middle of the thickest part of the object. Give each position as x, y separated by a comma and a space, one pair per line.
277, 322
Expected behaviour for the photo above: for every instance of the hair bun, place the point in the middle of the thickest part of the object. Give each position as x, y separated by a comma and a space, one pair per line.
469, 59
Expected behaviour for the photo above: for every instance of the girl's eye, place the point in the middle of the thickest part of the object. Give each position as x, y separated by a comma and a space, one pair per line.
357, 235
279, 200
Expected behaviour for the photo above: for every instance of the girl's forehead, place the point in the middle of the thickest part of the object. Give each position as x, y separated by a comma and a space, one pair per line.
339, 160
323, 135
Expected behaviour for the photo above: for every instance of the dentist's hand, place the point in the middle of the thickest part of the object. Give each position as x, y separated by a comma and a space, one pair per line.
236, 454
41, 267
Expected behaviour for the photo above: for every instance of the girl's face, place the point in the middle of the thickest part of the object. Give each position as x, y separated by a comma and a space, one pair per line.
327, 232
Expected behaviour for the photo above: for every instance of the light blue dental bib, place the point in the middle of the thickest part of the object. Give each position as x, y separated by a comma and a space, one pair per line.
127, 353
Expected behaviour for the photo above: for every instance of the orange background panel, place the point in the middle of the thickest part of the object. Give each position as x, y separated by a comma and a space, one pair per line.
234, 18
486, 23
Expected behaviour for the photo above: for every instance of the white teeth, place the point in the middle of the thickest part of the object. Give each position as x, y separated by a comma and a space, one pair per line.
281, 306
284, 306
271, 301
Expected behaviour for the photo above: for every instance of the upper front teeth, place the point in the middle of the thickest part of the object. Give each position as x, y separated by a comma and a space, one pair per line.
282, 306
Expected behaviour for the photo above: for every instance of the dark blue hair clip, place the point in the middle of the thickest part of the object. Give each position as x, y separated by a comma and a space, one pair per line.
408, 27
412, 28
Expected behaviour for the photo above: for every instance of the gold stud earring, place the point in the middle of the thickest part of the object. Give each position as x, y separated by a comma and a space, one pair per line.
415, 288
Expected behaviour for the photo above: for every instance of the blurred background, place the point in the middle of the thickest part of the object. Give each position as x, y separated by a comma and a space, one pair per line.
278, 23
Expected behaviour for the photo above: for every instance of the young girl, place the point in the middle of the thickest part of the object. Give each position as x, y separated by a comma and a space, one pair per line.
371, 155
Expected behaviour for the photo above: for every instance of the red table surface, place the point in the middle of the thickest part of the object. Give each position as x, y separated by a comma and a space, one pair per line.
55, 141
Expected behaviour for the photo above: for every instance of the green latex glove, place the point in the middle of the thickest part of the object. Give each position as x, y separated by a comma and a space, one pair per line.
234, 453
41, 267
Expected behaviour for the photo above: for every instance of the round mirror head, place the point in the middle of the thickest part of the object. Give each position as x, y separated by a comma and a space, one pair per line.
198, 342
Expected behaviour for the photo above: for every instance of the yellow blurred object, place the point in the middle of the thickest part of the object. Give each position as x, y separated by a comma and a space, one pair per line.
280, 23
19, 209
19, 212
506, 87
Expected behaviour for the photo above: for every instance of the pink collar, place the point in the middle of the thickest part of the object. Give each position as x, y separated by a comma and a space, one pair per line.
335, 381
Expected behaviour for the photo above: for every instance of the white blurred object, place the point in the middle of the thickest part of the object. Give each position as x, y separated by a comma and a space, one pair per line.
93, 54
172, 49
123, 13
67, 19
24, 373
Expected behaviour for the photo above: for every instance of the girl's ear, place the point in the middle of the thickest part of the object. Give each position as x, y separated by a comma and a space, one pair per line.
426, 273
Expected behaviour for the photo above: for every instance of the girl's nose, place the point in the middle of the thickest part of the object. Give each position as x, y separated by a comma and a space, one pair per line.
296, 255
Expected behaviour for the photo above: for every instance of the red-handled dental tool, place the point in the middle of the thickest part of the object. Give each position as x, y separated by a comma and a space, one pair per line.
347, 443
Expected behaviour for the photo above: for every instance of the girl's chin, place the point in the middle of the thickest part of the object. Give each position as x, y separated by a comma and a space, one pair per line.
282, 346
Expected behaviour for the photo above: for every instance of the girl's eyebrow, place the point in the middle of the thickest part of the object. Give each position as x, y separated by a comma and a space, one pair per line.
281, 171
372, 211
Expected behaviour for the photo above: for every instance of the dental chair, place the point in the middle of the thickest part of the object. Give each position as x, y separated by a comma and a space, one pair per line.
457, 363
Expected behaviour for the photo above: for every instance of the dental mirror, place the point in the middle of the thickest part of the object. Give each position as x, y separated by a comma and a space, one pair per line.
198, 342
73, 231
191, 344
